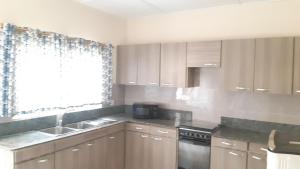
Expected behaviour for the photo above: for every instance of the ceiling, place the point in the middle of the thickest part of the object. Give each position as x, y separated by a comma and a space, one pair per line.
128, 8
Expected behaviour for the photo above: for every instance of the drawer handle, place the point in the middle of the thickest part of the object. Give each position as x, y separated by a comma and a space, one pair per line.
241, 88
43, 161
112, 138
226, 143
297, 91
131, 82
144, 136
232, 153
256, 158
167, 84
210, 64
163, 132
89, 144
139, 128
262, 90
75, 149
153, 83
157, 139
263, 149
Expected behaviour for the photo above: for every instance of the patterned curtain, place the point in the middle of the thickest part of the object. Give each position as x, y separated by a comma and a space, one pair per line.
43, 71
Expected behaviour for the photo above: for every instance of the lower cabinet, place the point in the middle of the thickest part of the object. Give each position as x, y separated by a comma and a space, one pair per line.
115, 151
45, 162
104, 153
145, 151
222, 158
257, 161
163, 153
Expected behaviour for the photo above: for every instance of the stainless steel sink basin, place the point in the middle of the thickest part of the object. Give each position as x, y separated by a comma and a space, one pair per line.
58, 130
101, 122
80, 125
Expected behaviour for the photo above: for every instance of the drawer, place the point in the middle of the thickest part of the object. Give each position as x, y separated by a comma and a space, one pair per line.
33, 152
257, 161
115, 128
258, 148
227, 143
164, 132
45, 162
138, 127
78, 139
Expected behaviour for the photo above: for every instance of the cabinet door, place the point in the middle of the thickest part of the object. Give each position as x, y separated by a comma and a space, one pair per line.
173, 65
256, 161
137, 150
69, 158
116, 151
274, 65
148, 64
46, 162
163, 153
127, 64
204, 54
238, 58
92, 154
296, 87
222, 158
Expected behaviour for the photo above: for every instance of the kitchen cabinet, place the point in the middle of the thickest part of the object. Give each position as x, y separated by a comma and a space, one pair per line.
137, 150
173, 69
274, 65
148, 64
127, 63
45, 162
296, 86
69, 158
163, 153
204, 54
238, 62
257, 161
115, 151
222, 158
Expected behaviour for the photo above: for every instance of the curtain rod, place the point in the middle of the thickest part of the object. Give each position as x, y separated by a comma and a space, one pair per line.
49, 33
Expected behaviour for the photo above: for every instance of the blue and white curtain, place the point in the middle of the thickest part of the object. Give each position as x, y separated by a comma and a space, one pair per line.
43, 71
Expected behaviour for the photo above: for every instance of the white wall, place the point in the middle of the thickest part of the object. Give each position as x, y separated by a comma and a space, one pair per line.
255, 19
210, 101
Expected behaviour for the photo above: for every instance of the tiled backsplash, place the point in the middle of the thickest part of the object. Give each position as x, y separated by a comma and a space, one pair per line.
210, 101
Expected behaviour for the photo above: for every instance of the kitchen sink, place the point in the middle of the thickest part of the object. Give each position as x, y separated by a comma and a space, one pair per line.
58, 130
80, 125
101, 122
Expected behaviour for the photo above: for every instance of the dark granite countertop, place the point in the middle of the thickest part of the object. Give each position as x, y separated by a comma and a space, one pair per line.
242, 135
26, 139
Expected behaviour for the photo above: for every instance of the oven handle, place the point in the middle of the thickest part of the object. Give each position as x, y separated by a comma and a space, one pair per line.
194, 142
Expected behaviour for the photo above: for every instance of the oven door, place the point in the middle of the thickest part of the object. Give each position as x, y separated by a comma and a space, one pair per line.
193, 155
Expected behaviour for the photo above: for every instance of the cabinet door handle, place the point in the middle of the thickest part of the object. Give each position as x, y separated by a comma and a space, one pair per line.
297, 91
152, 83
75, 149
263, 149
262, 90
167, 84
131, 82
144, 136
157, 138
139, 128
163, 132
112, 138
256, 158
232, 153
89, 144
241, 88
43, 161
210, 64
226, 143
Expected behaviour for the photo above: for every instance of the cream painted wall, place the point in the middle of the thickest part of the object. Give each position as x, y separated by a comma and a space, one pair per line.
255, 19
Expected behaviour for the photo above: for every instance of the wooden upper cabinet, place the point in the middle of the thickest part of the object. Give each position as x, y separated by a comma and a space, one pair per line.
204, 54
173, 65
148, 64
127, 63
296, 86
274, 65
238, 61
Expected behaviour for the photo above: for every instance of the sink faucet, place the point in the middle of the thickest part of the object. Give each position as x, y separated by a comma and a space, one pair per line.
59, 118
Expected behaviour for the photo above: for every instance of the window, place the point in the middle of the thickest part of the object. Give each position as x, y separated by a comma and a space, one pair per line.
43, 71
